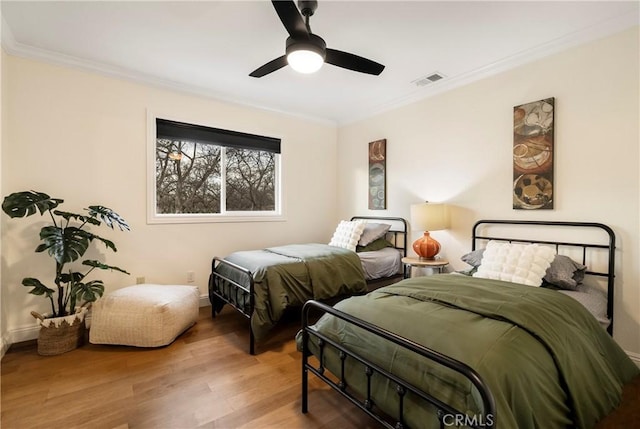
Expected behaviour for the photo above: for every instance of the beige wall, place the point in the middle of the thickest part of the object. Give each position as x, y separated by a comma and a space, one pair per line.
82, 137
4, 337
456, 147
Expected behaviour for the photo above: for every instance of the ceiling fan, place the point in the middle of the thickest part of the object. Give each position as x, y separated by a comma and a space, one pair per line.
306, 52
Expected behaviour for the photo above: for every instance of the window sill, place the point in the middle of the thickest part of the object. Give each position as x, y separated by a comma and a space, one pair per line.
208, 218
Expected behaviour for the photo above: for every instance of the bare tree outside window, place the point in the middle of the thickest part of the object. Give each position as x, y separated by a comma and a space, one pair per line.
189, 178
250, 180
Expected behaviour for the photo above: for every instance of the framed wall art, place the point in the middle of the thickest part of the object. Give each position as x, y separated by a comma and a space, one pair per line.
378, 175
533, 147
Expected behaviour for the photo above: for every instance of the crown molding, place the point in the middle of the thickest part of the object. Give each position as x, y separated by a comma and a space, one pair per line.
595, 32
601, 30
15, 48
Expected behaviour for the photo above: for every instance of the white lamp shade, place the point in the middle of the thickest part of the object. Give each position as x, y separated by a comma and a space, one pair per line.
305, 61
429, 217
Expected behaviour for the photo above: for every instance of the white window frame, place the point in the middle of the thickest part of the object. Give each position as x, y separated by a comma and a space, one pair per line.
225, 216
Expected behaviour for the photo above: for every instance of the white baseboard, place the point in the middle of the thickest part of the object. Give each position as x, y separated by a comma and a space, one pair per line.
204, 301
4, 344
635, 357
24, 334
13, 336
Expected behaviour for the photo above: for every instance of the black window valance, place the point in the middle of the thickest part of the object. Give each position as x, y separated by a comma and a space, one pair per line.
173, 130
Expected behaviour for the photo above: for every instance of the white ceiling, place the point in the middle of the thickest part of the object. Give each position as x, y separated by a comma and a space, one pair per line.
210, 47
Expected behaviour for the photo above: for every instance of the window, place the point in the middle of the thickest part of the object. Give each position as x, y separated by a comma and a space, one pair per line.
204, 173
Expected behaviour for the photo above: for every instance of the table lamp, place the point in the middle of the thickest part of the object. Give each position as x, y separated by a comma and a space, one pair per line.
428, 217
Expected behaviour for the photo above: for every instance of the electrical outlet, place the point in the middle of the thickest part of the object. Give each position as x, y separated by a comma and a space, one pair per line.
140, 280
191, 277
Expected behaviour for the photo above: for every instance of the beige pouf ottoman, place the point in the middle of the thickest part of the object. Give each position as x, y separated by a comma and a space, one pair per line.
145, 315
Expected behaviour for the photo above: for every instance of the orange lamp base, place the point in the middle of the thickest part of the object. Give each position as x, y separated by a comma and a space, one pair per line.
426, 247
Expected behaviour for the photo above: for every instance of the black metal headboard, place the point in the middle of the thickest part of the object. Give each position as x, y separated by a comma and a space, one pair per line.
481, 233
397, 233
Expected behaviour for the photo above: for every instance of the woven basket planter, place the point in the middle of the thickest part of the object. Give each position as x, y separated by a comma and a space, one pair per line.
60, 334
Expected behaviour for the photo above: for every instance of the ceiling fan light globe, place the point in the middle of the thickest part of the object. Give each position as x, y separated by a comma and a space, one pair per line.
305, 61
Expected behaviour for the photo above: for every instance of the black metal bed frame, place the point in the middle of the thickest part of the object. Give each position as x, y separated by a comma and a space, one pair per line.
241, 294
398, 236
403, 386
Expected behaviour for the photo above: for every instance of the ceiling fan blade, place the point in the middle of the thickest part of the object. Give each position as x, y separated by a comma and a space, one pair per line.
353, 62
291, 18
270, 67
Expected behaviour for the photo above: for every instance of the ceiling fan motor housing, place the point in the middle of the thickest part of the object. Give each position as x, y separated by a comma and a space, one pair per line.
314, 43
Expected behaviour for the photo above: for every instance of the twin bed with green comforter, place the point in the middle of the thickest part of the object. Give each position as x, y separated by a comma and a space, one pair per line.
287, 276
263, 284
542, 358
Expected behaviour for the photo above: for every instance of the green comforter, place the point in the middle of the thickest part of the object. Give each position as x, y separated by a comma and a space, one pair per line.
547, 361
287, 276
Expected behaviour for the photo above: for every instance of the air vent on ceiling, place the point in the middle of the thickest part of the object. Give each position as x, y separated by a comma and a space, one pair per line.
426, 80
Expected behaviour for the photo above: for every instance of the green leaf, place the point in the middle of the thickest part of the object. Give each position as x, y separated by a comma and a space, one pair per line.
80, 218
71, 277
98, 264
64, 245
108, 243
89, 291
109, 217
23, 204
38, 287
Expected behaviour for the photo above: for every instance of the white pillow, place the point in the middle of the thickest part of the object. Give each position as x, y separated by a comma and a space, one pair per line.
517, 263
347, 234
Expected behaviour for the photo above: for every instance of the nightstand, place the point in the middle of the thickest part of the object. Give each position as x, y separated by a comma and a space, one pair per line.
409, 262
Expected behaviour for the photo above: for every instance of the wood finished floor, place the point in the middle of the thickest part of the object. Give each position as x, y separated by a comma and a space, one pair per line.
205, 379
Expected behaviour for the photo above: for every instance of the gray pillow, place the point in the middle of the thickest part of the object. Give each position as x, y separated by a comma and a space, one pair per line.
373, 231
473, 258
565, 273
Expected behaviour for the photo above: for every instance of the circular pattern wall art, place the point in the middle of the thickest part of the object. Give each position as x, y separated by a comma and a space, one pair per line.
377, 175
533, 146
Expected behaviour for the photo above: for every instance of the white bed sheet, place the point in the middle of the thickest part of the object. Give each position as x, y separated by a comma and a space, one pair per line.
382, 263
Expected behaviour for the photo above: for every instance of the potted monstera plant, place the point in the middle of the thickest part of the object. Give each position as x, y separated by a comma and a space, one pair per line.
66, 240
